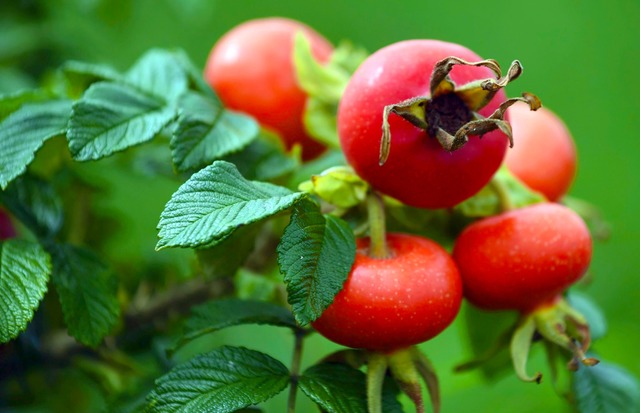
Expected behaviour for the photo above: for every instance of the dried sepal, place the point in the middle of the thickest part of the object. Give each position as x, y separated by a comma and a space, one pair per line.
412, 110
478, 94
473, 96
481, 125
440, 80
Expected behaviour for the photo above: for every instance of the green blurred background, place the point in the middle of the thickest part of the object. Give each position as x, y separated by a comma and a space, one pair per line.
579, 57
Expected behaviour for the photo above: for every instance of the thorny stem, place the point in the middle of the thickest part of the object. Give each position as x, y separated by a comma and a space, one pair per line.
295, 369
377, 226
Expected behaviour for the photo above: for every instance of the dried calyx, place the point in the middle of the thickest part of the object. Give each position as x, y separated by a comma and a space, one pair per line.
450, 114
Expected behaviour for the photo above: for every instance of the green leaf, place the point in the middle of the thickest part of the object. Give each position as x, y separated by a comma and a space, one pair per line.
159, 73
338, 388
606, 388
588, 308
224, 259
24, 131
263, 160
87, 291
315, 255
11, 102
224, 380
206, 132
24, 272
216, 315
323, 82
79, 75
214, 202
487, 202
324, 85
36, 204
111, 117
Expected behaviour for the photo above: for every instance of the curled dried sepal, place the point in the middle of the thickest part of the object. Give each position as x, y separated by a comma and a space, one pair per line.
495, 121
412, 110
442, 83
472, 97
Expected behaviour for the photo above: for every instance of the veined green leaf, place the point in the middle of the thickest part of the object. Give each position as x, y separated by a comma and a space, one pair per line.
87, 291
215, 315
159, 73
338, 388
315, 255
206, 131
264, 160
24, 131
35, 203
221, 381
606, 388
214, 202
24, 272
111, 117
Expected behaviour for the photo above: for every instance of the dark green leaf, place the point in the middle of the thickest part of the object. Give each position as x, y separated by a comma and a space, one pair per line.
24, 131
214, 202
263, 160
606, 388
315, 255
206, 132
215, 315
87, 291
224, 259
24, 272
36, 204
588, 308
338, 388
222, 381
111, 117
487, 202
159, 73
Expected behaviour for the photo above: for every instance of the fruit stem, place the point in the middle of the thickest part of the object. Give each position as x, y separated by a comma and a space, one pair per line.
504, 200
377, 226
295, 369
376, 370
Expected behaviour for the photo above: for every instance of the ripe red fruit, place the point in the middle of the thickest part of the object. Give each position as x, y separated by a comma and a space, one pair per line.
251, 69
544, 154
6, 227
418, 171
391, 303
522, 259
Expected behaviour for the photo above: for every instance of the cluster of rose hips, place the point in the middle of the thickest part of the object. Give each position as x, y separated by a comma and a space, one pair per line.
428, 123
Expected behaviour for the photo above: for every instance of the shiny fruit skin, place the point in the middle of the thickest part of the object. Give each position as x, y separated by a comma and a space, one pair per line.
395, 302
522, 259
544, 154
251, 69
418, 172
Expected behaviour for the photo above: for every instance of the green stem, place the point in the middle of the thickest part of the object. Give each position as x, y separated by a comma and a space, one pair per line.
376, 370
504, 201
295, 369
377, 226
